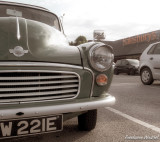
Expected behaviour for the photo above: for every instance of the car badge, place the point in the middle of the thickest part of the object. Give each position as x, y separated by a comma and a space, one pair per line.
18, 51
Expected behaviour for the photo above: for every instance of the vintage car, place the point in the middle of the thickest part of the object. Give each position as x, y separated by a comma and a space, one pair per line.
43, 80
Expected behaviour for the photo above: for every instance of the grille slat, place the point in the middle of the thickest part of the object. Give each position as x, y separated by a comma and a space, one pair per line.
36, 82
38, 93
44, 98
38, 88
35, 86
36, 77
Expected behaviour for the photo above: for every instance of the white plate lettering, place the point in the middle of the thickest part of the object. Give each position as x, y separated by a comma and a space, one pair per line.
50, 124
30, 126
23, 125
35, 124
6, 129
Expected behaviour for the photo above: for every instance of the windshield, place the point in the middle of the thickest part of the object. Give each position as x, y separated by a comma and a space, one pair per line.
133, 62
30, 13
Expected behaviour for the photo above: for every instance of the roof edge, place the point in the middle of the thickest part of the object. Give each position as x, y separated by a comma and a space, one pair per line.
24, 5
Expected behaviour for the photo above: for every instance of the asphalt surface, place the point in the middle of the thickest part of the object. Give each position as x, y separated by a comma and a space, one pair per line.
134, 100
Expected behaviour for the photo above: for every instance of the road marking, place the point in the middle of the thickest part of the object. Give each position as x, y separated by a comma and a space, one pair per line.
153, 87
154, 128
134, 84
124, 84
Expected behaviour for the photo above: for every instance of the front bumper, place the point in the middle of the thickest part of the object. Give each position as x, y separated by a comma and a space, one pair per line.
48, 109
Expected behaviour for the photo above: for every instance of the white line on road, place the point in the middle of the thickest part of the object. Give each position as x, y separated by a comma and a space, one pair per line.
119, 84
154, 128
134, 84
154, 87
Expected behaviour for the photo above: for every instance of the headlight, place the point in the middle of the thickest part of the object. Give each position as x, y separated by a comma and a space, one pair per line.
101, 57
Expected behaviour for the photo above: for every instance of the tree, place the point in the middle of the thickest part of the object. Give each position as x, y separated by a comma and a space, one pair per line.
71, 43
79, 40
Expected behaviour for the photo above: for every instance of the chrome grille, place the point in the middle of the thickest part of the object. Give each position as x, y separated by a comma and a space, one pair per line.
33, 86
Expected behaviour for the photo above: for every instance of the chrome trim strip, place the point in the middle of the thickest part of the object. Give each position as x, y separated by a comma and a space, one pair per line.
49, 71
27, 36
18, 30
26, 26
37, 64
81, 105
93, 77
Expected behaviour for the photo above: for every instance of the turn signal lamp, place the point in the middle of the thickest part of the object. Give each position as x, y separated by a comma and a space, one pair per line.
102, 79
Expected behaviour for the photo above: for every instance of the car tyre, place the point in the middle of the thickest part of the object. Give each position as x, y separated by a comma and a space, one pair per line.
87, 121
116, 72
132, 72
146, 76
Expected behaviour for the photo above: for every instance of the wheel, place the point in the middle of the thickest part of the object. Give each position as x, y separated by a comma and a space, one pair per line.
87, 121
116, 72
128, 72
146, 76
132, 72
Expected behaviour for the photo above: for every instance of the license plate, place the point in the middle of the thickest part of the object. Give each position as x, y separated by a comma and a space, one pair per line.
30, 126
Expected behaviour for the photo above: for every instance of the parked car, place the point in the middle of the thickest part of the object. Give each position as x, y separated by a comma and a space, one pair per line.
129, 66
113, 64
150, 64
43, 80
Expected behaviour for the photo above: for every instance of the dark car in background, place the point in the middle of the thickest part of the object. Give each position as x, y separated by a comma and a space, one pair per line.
129, 66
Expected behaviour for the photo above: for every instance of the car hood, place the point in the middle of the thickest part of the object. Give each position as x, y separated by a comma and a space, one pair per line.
40, 42
136, 66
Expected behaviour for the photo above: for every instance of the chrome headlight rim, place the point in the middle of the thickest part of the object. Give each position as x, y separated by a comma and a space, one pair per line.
94, 47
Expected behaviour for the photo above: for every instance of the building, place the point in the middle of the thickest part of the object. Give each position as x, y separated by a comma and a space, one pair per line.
132, 47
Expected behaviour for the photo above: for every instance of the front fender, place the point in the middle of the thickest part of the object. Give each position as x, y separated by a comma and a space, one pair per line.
84, 50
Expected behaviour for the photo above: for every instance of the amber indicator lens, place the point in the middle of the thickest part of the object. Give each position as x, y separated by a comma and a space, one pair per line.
102, 79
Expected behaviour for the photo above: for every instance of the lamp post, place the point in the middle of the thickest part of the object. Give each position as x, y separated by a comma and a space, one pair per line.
61, 17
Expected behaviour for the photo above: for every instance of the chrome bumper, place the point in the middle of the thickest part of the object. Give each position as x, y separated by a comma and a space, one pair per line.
76, 106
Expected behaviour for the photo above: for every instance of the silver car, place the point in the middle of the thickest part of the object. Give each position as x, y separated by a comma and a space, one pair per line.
150, 64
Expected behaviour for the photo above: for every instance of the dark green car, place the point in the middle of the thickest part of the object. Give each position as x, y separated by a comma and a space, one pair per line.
43, 80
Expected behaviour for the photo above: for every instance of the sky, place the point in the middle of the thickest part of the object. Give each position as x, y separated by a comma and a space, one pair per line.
118, 18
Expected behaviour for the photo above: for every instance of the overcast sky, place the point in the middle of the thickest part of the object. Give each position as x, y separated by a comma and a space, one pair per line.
118, 18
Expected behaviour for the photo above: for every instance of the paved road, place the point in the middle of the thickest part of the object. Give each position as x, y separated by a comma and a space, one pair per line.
136, 99
135, 117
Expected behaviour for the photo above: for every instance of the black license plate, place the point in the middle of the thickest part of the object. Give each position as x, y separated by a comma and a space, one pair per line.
30, 126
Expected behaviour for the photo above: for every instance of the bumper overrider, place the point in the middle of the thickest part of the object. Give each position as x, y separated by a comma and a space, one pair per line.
48, 109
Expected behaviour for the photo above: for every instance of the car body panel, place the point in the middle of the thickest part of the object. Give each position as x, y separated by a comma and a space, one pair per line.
125, 66
39, 39
84, 49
